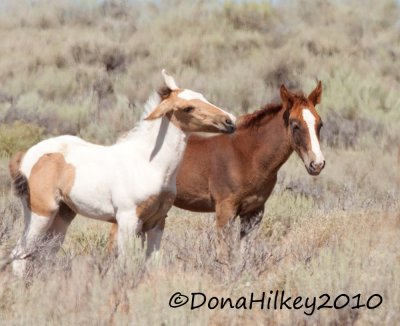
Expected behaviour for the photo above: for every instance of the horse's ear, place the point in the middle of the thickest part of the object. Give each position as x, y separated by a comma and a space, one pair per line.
161, 110
286, 96
315, 95
169, 81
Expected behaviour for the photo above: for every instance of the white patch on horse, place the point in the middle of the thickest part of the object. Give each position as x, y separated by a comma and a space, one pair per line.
309, 119
189, 95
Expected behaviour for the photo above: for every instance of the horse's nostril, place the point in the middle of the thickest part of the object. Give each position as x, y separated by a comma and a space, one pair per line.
229, 122
314, 166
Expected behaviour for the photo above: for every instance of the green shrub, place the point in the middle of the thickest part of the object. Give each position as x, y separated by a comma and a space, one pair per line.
18, 136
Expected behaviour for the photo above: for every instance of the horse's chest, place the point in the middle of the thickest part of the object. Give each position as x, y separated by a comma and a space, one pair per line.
153, 210
256, 196
252, 202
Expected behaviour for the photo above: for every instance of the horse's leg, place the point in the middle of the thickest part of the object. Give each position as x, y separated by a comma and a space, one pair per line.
225, 213
112, 238
250, 222
249, 226
154, 236
36, 227
19, 265
42, 202
129, 226
61, 222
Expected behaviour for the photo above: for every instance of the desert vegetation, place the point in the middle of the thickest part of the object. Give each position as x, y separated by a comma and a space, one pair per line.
86, 68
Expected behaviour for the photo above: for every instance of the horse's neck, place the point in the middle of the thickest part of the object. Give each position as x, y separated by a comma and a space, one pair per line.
162, 143
272, 146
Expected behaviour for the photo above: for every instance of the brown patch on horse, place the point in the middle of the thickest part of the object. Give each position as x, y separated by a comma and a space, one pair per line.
20, 182
153, 210
50, 181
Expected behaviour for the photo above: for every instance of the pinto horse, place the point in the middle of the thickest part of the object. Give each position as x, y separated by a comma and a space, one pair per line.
234, 175
132, 183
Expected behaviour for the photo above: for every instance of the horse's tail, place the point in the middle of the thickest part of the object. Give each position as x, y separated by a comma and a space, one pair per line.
20, 182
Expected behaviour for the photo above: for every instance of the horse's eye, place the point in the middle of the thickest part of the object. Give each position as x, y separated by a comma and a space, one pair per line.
294, 126
188, 109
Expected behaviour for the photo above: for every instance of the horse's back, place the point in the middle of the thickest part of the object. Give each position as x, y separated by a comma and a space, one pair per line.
58, 144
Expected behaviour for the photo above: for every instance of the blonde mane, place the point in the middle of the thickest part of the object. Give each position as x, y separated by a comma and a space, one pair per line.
152, 102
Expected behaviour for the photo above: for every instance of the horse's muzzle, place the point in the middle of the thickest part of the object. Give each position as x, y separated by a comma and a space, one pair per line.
315, 168
229, 126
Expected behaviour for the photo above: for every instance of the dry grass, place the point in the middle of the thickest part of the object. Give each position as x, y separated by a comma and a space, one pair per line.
87, 69
315, 252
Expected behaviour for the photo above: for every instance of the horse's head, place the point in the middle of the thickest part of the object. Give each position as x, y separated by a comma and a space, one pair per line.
304, 125
190, 111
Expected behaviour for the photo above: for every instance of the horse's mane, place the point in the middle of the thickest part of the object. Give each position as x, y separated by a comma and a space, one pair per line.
151, 103
154, 100
253, 120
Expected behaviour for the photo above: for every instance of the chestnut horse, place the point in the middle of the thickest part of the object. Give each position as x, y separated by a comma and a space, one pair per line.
233, 175
132, 182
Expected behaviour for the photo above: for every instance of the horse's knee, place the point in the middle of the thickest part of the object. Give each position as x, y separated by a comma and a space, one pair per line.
225, 213
38, 225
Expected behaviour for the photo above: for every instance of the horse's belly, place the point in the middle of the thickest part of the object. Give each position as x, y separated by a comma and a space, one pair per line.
94, 206
194, 203
91, 198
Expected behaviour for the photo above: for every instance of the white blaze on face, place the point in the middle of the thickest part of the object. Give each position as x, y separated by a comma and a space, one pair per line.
188, 95
309, 119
